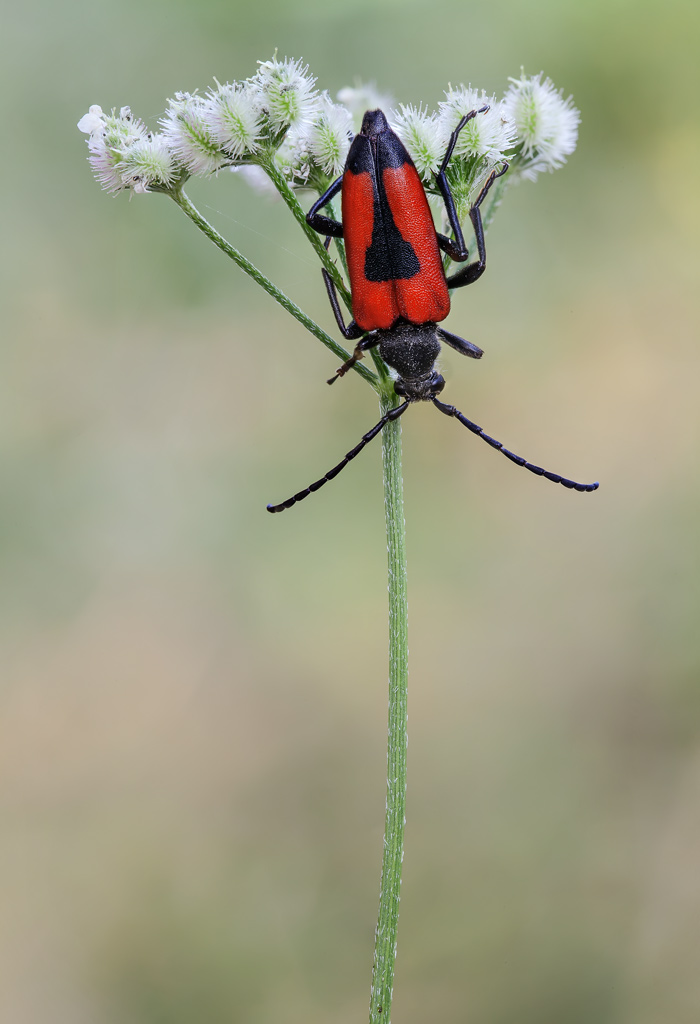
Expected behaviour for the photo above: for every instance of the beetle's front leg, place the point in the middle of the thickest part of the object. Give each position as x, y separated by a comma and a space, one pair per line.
472, 272
455, 248
318, 221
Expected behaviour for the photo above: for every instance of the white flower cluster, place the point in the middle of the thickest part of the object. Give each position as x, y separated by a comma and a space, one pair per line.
124, 154
484, 142
546, 123
423, 136
286, 93
489, 135
279, 111
533, 128
186, 126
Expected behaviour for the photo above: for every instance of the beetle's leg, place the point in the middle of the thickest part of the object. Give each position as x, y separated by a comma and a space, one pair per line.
449, 410
472, 272
369, 342
316, 220
466, 348
455, 248
352, 331
393, 414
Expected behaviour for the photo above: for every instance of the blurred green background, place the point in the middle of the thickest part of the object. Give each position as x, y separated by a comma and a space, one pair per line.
193, 711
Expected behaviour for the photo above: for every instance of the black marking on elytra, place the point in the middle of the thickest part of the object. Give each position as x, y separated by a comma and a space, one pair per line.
360, 159
391, 151
389, 257
374, 123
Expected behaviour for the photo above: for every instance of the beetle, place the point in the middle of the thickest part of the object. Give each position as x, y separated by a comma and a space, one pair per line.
398, 286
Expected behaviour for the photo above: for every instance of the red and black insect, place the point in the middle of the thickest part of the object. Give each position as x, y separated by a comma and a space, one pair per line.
397, 281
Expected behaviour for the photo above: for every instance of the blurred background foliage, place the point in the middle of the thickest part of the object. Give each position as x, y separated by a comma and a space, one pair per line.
192, 717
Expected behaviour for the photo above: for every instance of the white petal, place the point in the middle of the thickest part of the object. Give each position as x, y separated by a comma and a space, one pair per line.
92, 121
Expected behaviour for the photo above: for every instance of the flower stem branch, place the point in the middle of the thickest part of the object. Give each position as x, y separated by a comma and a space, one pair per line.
188, 207
287, 194
395, 820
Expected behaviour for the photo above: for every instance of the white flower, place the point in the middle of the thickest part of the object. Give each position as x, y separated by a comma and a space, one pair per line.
286, 92
363, 96
104, 163
422, 135
329, 136
117, 130
547, 123
93, 121
112, 136
294, 157
232, 113
487, 135
188, 135
147, 163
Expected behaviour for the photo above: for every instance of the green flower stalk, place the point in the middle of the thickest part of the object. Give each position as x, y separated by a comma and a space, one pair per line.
276, 127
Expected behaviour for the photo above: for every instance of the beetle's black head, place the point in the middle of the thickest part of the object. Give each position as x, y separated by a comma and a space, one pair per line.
412, 350
373, 123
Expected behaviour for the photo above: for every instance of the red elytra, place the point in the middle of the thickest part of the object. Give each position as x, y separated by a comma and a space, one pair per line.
421, 297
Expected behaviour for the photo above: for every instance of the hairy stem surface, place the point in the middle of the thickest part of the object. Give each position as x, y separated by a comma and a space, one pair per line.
387, 921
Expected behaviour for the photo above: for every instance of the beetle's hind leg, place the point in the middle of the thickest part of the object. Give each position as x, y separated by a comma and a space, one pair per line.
351, 333
369, 342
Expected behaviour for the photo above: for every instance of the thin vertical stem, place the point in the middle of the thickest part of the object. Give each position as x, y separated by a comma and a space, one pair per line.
387, 921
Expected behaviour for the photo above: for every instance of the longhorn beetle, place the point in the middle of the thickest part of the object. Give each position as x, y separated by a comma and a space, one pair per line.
397, 281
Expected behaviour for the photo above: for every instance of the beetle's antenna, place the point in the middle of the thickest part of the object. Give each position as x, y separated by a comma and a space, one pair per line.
393, 414
449, 410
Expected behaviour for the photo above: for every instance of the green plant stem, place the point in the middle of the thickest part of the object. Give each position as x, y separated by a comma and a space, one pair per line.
287, 193
387, 920
188, 207
339, 243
